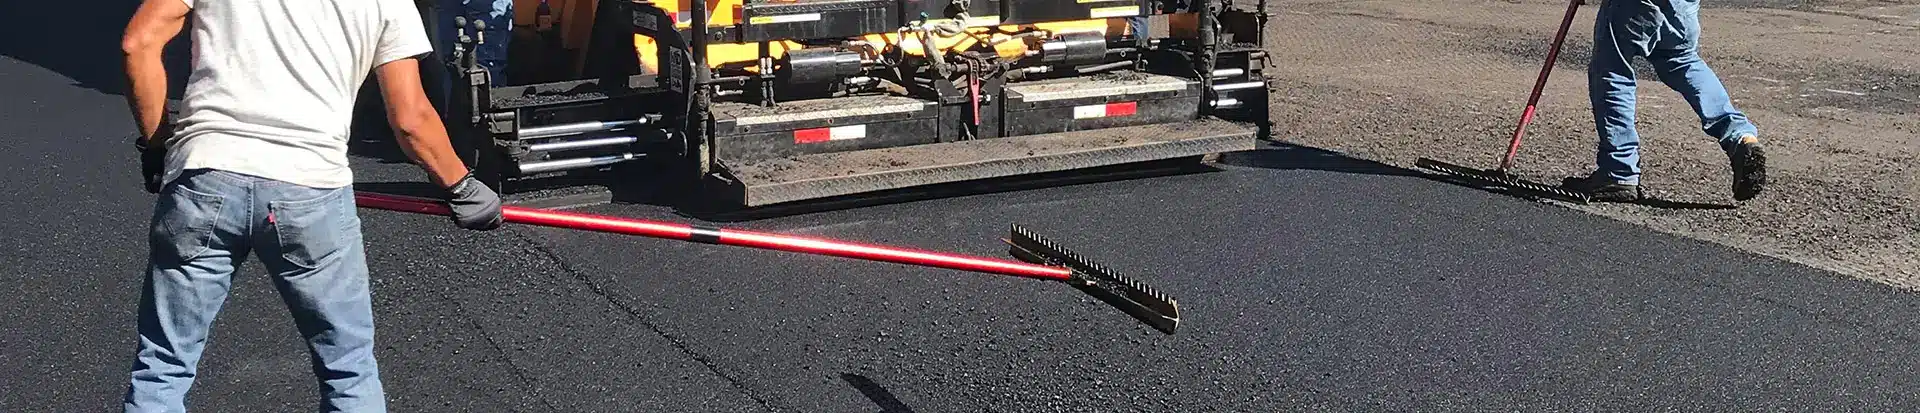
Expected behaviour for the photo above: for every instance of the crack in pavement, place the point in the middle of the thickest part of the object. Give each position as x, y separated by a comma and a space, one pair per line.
676, 341
518, 372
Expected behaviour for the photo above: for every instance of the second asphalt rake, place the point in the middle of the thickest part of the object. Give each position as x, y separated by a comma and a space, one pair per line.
1499, 177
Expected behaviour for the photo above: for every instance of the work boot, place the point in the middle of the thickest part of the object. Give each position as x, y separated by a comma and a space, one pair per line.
1602, 188
1749, 161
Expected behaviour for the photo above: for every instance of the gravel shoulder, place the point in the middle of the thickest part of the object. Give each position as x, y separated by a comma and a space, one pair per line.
1834, 86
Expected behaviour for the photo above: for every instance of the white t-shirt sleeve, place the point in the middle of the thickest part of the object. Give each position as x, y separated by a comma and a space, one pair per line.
403, 34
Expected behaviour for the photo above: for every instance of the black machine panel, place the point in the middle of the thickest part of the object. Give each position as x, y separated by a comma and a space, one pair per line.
749, 133
993, 12
817, 19
1037, 11
982, 11
1098, 103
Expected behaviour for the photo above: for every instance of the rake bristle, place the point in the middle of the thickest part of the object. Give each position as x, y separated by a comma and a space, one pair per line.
1502, 179
1131, 296
1075, 261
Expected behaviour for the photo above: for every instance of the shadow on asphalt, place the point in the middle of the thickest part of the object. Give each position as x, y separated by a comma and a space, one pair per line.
642, 183
1285, 156
81, 40
713, 209
413, 189
879, 395
1652, 202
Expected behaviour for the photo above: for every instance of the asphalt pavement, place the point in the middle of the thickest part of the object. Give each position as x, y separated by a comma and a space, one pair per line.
1308, 281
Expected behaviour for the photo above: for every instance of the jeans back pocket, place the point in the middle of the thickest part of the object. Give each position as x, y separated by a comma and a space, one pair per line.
183, 223
311, 231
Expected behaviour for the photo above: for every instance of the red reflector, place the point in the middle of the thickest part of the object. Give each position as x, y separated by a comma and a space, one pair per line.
1122, 109
812, 135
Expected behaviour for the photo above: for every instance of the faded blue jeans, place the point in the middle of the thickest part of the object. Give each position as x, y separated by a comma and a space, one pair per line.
204, 225
1667, 34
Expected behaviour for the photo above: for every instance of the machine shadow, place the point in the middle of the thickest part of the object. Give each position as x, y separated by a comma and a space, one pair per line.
87, 50
81, 40
1286, 156
711, 209
879, 395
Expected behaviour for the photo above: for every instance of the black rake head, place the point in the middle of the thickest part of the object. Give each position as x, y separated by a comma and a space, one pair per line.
1493, 180
1130, 296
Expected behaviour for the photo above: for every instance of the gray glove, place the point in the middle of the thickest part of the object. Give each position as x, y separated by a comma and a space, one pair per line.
475, 206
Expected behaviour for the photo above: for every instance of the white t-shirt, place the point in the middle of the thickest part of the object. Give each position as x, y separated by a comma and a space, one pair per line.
273, 83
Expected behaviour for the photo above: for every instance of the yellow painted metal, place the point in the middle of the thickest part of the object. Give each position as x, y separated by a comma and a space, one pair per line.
946, 35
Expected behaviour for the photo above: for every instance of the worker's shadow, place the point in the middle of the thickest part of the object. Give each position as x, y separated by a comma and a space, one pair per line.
879, 395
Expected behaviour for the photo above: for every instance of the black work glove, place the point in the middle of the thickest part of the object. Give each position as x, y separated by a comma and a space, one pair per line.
153, 161
153, 151
475, 206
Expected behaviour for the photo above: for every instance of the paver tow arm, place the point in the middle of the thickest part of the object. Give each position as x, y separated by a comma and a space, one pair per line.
1044, 259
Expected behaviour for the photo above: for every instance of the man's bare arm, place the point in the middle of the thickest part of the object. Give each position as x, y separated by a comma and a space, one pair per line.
416, 124
153, 25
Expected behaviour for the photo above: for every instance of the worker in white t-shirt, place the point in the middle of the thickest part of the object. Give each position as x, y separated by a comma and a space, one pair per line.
256, 162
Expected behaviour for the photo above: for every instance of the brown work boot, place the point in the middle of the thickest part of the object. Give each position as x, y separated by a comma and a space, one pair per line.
1749, 161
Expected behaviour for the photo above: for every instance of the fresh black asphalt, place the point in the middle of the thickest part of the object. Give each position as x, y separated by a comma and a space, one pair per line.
1308, 282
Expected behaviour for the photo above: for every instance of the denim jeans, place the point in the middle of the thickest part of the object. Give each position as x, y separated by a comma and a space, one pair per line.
205, 223
1667, 34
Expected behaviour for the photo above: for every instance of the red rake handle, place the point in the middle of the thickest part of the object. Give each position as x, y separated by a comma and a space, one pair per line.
684, 232
1573, 7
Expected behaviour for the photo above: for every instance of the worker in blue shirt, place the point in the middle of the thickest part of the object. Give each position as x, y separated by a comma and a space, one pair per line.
492, 54
1667, 34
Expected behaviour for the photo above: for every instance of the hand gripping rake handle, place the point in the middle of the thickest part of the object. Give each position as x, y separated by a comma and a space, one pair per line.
1053, 263
1573, 6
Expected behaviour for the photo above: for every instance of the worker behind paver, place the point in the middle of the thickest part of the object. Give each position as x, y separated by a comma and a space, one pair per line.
257, 163
491, 54
1667, 34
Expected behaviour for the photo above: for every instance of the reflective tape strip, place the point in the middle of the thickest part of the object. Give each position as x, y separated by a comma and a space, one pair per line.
837, 133
1105, 12
784, 18
1106, 110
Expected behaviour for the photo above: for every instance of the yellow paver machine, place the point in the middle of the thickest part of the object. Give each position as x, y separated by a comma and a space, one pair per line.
766, 102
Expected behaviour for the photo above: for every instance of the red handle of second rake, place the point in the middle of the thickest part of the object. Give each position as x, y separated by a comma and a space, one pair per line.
1546, 69
684, 232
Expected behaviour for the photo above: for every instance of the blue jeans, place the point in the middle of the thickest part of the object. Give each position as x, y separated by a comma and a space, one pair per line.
1667, 34
204, 225
492, 54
